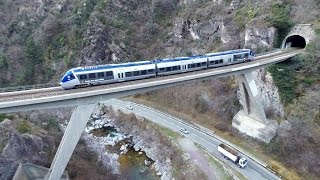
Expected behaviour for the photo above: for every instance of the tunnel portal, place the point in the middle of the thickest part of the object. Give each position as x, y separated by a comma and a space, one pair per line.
295, 41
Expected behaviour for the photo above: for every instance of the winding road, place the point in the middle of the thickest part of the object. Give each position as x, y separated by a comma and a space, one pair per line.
255, 169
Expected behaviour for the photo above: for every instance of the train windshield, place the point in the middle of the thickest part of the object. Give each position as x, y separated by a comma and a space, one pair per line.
68, 77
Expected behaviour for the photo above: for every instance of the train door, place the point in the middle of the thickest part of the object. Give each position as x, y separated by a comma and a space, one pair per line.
230, 58
120, 75
183, 67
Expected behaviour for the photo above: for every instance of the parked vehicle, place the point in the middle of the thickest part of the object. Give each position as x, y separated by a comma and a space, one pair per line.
229, 153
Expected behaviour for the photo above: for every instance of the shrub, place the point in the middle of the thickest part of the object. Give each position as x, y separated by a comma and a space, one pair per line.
163, 9
52, 125
283, 76
3, 62
23, 127
280, 19
2, 117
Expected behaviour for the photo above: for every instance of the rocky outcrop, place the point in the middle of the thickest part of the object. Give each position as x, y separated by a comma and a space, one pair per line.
259, 38
19, 148
269, 92
96, 50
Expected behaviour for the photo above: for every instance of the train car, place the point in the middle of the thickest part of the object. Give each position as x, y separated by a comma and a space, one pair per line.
110, 73
104, 74
229, 57
181, 64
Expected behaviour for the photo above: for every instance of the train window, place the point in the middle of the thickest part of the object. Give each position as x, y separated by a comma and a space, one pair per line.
162, 69
203, 64
189, 66
174, 68
246, 55
136, 73
150, 71
92, 75
221, 61
128, 74
216, 62
179, 67
109, 73
193, 65
198, 64
168, 68
235, 58
83, 76
100, 74
143, 72
212, 62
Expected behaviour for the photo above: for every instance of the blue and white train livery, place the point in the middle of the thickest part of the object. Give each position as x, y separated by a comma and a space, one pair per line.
110, 73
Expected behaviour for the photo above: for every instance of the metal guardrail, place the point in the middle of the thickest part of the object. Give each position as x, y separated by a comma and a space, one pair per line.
28, 87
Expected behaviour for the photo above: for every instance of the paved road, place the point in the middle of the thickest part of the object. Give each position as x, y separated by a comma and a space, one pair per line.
253, 171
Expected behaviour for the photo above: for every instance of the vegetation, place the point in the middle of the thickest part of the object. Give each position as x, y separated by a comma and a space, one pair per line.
23, 127
283, 75
5, 116
245, 15
52, 125
2, 117
280, 19
169, 132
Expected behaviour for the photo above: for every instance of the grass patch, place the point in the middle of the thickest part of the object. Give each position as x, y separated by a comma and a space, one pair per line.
169, 132
283, 171
23, 127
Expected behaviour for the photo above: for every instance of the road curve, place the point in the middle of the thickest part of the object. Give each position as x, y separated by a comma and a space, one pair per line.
210, 142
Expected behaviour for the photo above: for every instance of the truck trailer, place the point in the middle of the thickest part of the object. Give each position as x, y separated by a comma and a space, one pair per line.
229, 153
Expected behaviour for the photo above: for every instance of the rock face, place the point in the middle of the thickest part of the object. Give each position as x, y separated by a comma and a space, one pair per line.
269, 92
259, 38
96, 50
24, 148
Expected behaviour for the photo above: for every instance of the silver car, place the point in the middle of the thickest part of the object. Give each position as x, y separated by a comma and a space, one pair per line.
129, 107
183, 130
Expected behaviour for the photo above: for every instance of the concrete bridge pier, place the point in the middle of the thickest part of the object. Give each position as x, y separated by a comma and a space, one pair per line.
252, 120
70, 139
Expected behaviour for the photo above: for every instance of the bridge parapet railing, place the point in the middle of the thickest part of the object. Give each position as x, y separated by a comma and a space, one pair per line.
269, 52
28, 87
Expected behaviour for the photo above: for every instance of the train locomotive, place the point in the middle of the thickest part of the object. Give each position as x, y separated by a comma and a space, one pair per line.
111, 73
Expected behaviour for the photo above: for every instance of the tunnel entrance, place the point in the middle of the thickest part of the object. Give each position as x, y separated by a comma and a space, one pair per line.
295, 41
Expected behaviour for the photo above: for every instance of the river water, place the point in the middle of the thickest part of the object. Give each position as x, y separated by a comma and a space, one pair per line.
132, 163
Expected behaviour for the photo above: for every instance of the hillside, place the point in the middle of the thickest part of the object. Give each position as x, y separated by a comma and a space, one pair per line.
42, 39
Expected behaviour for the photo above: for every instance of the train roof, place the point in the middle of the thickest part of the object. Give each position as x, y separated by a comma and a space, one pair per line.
227, 52
202, 56
139, 63
110, 66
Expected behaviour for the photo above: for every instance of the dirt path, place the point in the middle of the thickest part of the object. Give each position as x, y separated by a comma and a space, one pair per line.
198, 158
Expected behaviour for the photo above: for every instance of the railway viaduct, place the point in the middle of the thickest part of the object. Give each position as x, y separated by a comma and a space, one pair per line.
251, 120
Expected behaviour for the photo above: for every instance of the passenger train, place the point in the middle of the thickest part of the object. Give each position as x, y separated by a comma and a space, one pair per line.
111, 73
